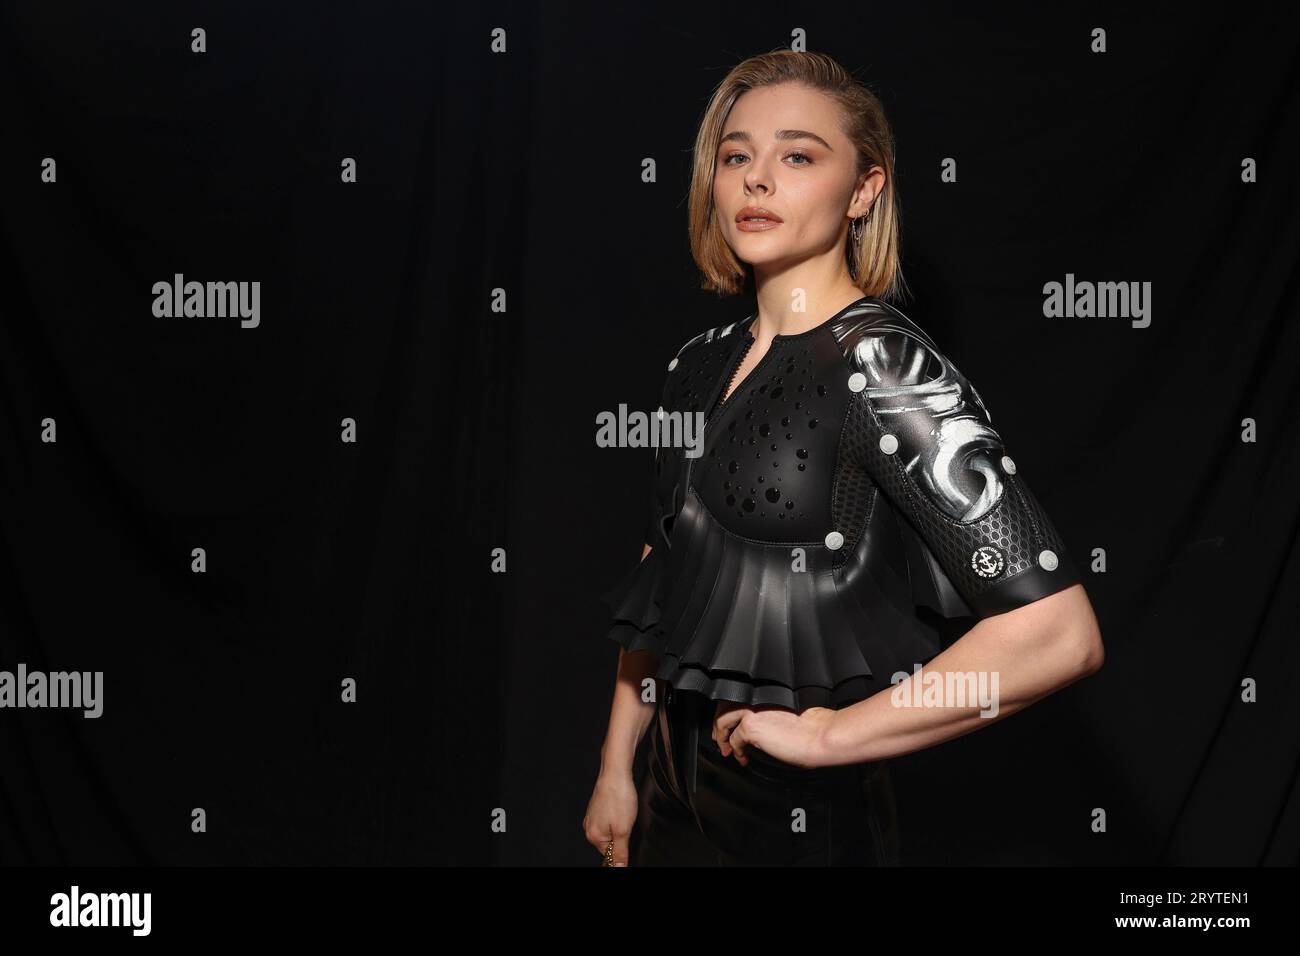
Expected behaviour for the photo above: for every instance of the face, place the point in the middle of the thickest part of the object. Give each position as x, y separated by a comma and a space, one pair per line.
782, 149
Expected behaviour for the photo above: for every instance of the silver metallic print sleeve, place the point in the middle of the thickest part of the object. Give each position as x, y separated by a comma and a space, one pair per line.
928, 441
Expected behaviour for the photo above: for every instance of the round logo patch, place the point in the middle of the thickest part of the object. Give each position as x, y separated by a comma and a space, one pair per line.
987, 561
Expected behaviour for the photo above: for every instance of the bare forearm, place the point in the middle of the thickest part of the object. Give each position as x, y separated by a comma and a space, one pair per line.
997, 668
629, 714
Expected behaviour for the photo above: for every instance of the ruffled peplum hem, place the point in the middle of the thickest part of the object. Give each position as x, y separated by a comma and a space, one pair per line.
740, 623
636, 601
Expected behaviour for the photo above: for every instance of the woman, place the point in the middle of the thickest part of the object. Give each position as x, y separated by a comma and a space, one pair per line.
851, 497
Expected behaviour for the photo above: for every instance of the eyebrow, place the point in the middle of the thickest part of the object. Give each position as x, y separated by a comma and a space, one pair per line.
742, 135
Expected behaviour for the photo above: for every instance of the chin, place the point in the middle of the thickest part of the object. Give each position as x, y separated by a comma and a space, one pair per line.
757, 249
769, 257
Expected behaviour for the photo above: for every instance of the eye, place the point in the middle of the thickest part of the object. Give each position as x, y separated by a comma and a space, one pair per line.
794, 154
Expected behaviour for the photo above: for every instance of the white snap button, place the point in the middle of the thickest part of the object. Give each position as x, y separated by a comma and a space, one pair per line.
857, 382
888, 444
835, 541
1008, 465
1048, 560
672, 365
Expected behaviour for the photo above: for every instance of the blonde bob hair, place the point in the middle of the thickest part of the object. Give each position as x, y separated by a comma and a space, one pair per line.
873, 259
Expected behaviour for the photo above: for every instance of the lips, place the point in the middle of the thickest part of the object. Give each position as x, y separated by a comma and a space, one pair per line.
757, 214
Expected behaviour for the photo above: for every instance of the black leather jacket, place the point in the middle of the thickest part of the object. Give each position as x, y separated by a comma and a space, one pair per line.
852, 492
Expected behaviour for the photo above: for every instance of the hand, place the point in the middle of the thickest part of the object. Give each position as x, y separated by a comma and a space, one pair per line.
792, 738
610, 815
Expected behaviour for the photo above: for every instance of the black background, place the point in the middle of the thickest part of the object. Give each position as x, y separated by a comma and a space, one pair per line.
522, 171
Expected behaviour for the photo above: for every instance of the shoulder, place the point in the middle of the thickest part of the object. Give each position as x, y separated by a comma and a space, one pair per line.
890, 349
706, 343
901, 365
697, 365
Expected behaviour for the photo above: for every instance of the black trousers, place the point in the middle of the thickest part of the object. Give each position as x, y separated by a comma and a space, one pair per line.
699, 808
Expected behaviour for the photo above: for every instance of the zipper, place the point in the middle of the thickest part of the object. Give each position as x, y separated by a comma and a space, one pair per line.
724, 396
716, 397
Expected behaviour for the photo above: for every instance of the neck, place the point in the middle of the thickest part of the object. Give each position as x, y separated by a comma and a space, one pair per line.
791, 310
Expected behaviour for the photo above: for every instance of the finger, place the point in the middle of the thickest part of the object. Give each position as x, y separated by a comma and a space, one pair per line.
602, 840
721, 707
725, 725
738, 741
723, 734
620, 850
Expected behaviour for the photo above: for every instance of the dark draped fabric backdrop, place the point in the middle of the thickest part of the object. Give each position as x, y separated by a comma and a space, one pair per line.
500, 273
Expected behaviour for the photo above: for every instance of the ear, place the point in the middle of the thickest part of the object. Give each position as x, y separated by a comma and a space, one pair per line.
870, 185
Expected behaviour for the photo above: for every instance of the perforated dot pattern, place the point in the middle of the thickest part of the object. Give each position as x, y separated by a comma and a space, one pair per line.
687, 388
771, 444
